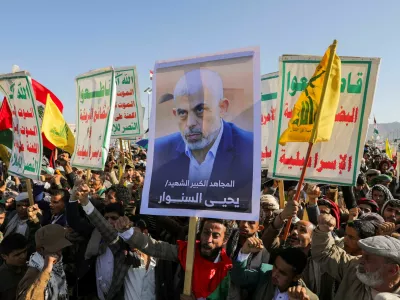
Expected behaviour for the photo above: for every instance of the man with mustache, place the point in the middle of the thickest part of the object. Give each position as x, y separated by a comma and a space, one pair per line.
376, 271
211, 263
391, 211
206, 148
300, 237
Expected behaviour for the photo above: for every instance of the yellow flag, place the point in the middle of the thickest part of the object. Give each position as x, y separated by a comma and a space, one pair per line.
388, 149
56, 129
314, 112
5, 155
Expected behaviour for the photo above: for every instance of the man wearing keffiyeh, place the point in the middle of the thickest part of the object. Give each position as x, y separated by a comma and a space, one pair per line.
45, 278
380, 194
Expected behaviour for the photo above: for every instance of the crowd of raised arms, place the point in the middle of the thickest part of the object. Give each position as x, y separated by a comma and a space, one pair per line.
85, 238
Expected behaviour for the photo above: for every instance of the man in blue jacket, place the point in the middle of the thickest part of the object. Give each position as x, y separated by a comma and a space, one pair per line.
216, 155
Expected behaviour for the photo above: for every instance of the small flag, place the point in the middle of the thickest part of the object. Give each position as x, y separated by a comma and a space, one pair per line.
314, 112
55, 129
376, 132
151, 75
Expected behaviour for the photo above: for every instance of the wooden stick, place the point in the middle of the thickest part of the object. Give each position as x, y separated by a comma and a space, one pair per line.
191, 244
121, 159
299, 186
281, 194
87, 176
30, 192
128, 147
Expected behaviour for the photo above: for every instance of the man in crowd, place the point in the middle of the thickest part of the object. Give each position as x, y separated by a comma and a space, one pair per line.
391, 211
360, 277
116, 270
8, 200
270, 207
366, 225
18, 221
371, 174
97, 185
368, 205
211, 263
13, 250
380, 194
271, 284
300, 237
361, 189
246, 230
54, 212
45, 277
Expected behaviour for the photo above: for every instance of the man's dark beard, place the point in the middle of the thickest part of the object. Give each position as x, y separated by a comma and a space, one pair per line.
213, 255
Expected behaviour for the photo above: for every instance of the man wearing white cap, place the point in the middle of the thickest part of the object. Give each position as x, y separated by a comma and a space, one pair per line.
19, 220
363, 277
269, 205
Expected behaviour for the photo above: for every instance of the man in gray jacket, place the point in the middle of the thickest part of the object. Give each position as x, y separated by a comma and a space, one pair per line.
376, 271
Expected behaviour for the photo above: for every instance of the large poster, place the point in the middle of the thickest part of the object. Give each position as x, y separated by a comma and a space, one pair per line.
27, 150
96, 94
128, 114
336, 161
204, 146
269, 96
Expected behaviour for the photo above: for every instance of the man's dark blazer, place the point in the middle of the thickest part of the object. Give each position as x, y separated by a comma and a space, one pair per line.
233, 161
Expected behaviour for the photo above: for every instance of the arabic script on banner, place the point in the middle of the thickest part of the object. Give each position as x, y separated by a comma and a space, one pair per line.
26, 156
269, 96
128, 109
336, 161
96, 99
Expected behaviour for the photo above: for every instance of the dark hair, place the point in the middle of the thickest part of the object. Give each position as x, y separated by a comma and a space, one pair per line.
13, 242
101, 175
294, 257
115, 207
227, 223
2, 209
393, 203
63, 151
122, 193
366, 225
361, 179
60, 192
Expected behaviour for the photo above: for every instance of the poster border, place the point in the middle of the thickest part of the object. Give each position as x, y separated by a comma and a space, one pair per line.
253, 52
315, 60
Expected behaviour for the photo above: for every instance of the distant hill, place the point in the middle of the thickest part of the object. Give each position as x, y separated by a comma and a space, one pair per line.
386, 130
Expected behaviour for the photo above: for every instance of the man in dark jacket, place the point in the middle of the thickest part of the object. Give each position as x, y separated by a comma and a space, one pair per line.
275, 282
13, 250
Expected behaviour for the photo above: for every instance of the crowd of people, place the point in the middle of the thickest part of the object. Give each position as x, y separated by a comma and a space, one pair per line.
85, 238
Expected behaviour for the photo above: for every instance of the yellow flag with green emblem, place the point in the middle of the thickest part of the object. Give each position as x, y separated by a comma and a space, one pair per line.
314, 112
56, 129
